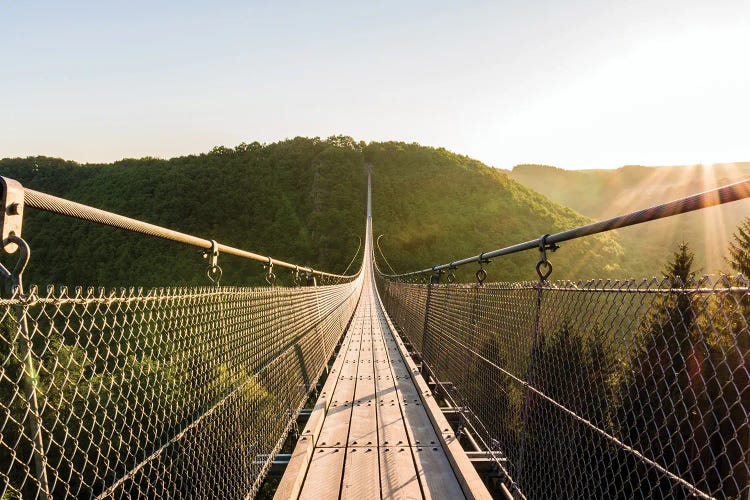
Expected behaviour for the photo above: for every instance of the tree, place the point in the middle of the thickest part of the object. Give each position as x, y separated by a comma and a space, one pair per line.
686, 396
657, 396
680, 268
572, 368
739, 249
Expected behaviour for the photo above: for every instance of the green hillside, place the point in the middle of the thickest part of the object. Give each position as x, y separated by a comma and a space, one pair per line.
601, 194
300, 200
434, 206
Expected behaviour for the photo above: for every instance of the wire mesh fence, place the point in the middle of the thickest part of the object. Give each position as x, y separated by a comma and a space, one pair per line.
602, 389
184, 392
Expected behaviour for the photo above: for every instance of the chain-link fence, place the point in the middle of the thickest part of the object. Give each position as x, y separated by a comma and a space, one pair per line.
601, 389
162, 393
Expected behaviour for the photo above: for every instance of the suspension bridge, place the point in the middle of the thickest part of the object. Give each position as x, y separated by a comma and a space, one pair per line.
374, 385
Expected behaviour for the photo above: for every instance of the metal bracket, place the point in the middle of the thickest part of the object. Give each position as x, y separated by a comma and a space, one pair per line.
544, 266
436, 276
213, 271
451, 276
11, 205
270, 276
481, 274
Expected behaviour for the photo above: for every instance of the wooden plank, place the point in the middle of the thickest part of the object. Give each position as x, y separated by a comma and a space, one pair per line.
361, 474
324, 476
398, 476
363, 429
418, 423
435, 474
336, 425
351, 363
391, 430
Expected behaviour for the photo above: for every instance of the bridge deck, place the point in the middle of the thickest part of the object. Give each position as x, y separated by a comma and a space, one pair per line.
376, 431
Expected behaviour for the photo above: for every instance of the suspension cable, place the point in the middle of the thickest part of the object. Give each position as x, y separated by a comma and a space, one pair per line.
377, 242
359, 245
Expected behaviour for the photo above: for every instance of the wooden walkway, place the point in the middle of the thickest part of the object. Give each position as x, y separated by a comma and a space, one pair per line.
376, 431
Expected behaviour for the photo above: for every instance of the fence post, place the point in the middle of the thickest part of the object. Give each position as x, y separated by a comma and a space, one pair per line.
425, 331
434, 279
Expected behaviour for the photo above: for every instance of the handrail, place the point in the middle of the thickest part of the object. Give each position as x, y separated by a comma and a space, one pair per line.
718, 196
61, 206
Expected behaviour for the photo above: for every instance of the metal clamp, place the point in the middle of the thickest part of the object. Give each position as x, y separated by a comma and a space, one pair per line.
270, 276
481, 274
436, 276
11, 213
451, 276
213, 271
544, 266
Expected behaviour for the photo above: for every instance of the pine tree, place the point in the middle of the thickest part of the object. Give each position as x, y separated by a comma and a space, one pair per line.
739, 249
657, 396
680, 268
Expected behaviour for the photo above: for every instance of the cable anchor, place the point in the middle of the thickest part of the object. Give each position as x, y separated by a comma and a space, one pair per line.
544, 266
213, 271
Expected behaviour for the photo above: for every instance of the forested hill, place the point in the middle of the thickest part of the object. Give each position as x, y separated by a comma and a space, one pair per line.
300, 200
601, 194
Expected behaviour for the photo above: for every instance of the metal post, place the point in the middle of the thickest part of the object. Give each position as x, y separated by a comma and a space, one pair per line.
426, 330
318, 321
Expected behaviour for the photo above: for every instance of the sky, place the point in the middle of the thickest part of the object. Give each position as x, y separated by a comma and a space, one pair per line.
575, 84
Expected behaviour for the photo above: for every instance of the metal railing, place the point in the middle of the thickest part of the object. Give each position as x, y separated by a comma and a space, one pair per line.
719, 196
160, 393
598, 389
61, 206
